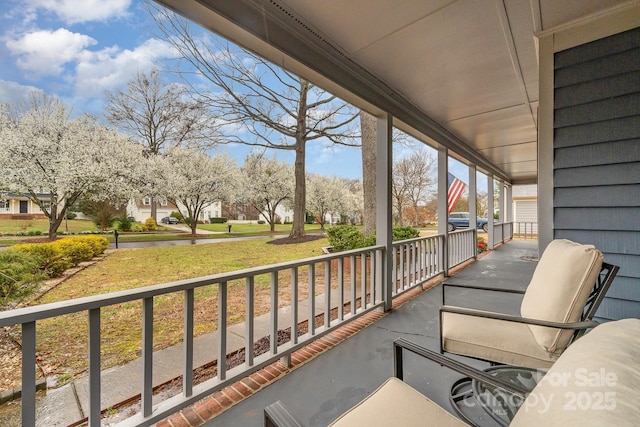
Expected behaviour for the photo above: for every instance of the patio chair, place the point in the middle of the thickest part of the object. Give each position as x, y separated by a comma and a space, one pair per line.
568, 284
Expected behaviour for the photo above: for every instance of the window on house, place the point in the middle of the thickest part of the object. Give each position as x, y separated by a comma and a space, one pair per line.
146, 201
163, 202
4, 205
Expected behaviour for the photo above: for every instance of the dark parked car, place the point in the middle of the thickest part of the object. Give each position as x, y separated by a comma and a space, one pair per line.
461, 220
169, 220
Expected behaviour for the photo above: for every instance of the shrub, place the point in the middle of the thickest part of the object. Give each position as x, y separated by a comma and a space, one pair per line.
217, 220
404, 233
347, 237
261, 221
71, 215
50, 259
136, 227
74, 250
149, 224
19, 275
124, 222
98, 243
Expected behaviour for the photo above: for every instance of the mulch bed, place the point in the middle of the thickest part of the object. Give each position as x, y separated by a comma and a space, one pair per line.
295, 240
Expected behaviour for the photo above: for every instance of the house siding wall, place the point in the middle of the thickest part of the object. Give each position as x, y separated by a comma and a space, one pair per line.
597, 158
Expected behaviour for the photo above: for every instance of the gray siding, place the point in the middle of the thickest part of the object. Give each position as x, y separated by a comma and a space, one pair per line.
597, 158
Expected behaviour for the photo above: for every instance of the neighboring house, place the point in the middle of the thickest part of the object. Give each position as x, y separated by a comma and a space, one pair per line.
283, 215
19, 206
525, 208
140, 209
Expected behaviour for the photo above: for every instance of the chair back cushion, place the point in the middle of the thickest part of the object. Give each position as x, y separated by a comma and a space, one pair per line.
558, 291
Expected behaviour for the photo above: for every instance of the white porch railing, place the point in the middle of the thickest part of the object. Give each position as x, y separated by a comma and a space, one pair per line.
352, 280
525, 230
415, 261
463, 245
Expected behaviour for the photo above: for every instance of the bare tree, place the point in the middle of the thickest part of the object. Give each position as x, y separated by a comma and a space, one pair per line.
160, 116
421, 178
273, 108
400, 188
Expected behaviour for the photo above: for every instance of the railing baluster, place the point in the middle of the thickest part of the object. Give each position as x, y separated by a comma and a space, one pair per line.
394, 271
29, 374
363, 280
187, 373
312, 299
341, 289
249, 323
273, 342
147, 356
294, 305
352, 282
327, 294
94, 367
222, 330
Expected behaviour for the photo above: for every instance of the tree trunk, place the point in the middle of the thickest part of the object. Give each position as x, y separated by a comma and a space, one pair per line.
154, 210
368, 131
300, 176
300, 199
272, 219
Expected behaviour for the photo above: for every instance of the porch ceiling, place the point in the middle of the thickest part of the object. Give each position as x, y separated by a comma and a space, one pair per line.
458, 73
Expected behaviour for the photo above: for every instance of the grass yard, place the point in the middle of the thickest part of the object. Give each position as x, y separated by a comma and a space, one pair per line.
255, 228
62, 342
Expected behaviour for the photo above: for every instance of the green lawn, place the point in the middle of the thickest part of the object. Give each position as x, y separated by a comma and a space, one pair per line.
254, 228
62, 341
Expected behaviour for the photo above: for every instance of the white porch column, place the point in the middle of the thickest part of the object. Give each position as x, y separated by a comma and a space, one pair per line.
384, 162
443, 204
473, 216
473, 190
490, 241
501, 203
509, 210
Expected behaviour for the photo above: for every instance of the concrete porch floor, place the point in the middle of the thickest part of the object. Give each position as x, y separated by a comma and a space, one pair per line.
328, 385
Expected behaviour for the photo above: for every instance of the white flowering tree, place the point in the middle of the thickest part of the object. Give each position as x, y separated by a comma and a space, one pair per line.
194, 180
326, 196
45, 152
268, 183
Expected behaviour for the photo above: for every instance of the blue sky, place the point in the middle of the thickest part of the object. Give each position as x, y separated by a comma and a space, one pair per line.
78, 49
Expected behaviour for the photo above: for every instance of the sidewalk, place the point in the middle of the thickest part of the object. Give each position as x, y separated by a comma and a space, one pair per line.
124, 382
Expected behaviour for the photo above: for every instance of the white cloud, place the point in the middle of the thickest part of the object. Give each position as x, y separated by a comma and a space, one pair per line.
113, 67
75, 11
45, 52
13, 93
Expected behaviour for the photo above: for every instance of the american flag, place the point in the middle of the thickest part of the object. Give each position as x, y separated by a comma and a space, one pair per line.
456, 187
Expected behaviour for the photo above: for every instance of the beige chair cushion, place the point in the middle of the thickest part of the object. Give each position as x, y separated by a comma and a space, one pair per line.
596, 382
559, 289
395, 403
490, 339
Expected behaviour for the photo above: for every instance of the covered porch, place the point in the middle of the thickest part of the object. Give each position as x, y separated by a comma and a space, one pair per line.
321, 389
